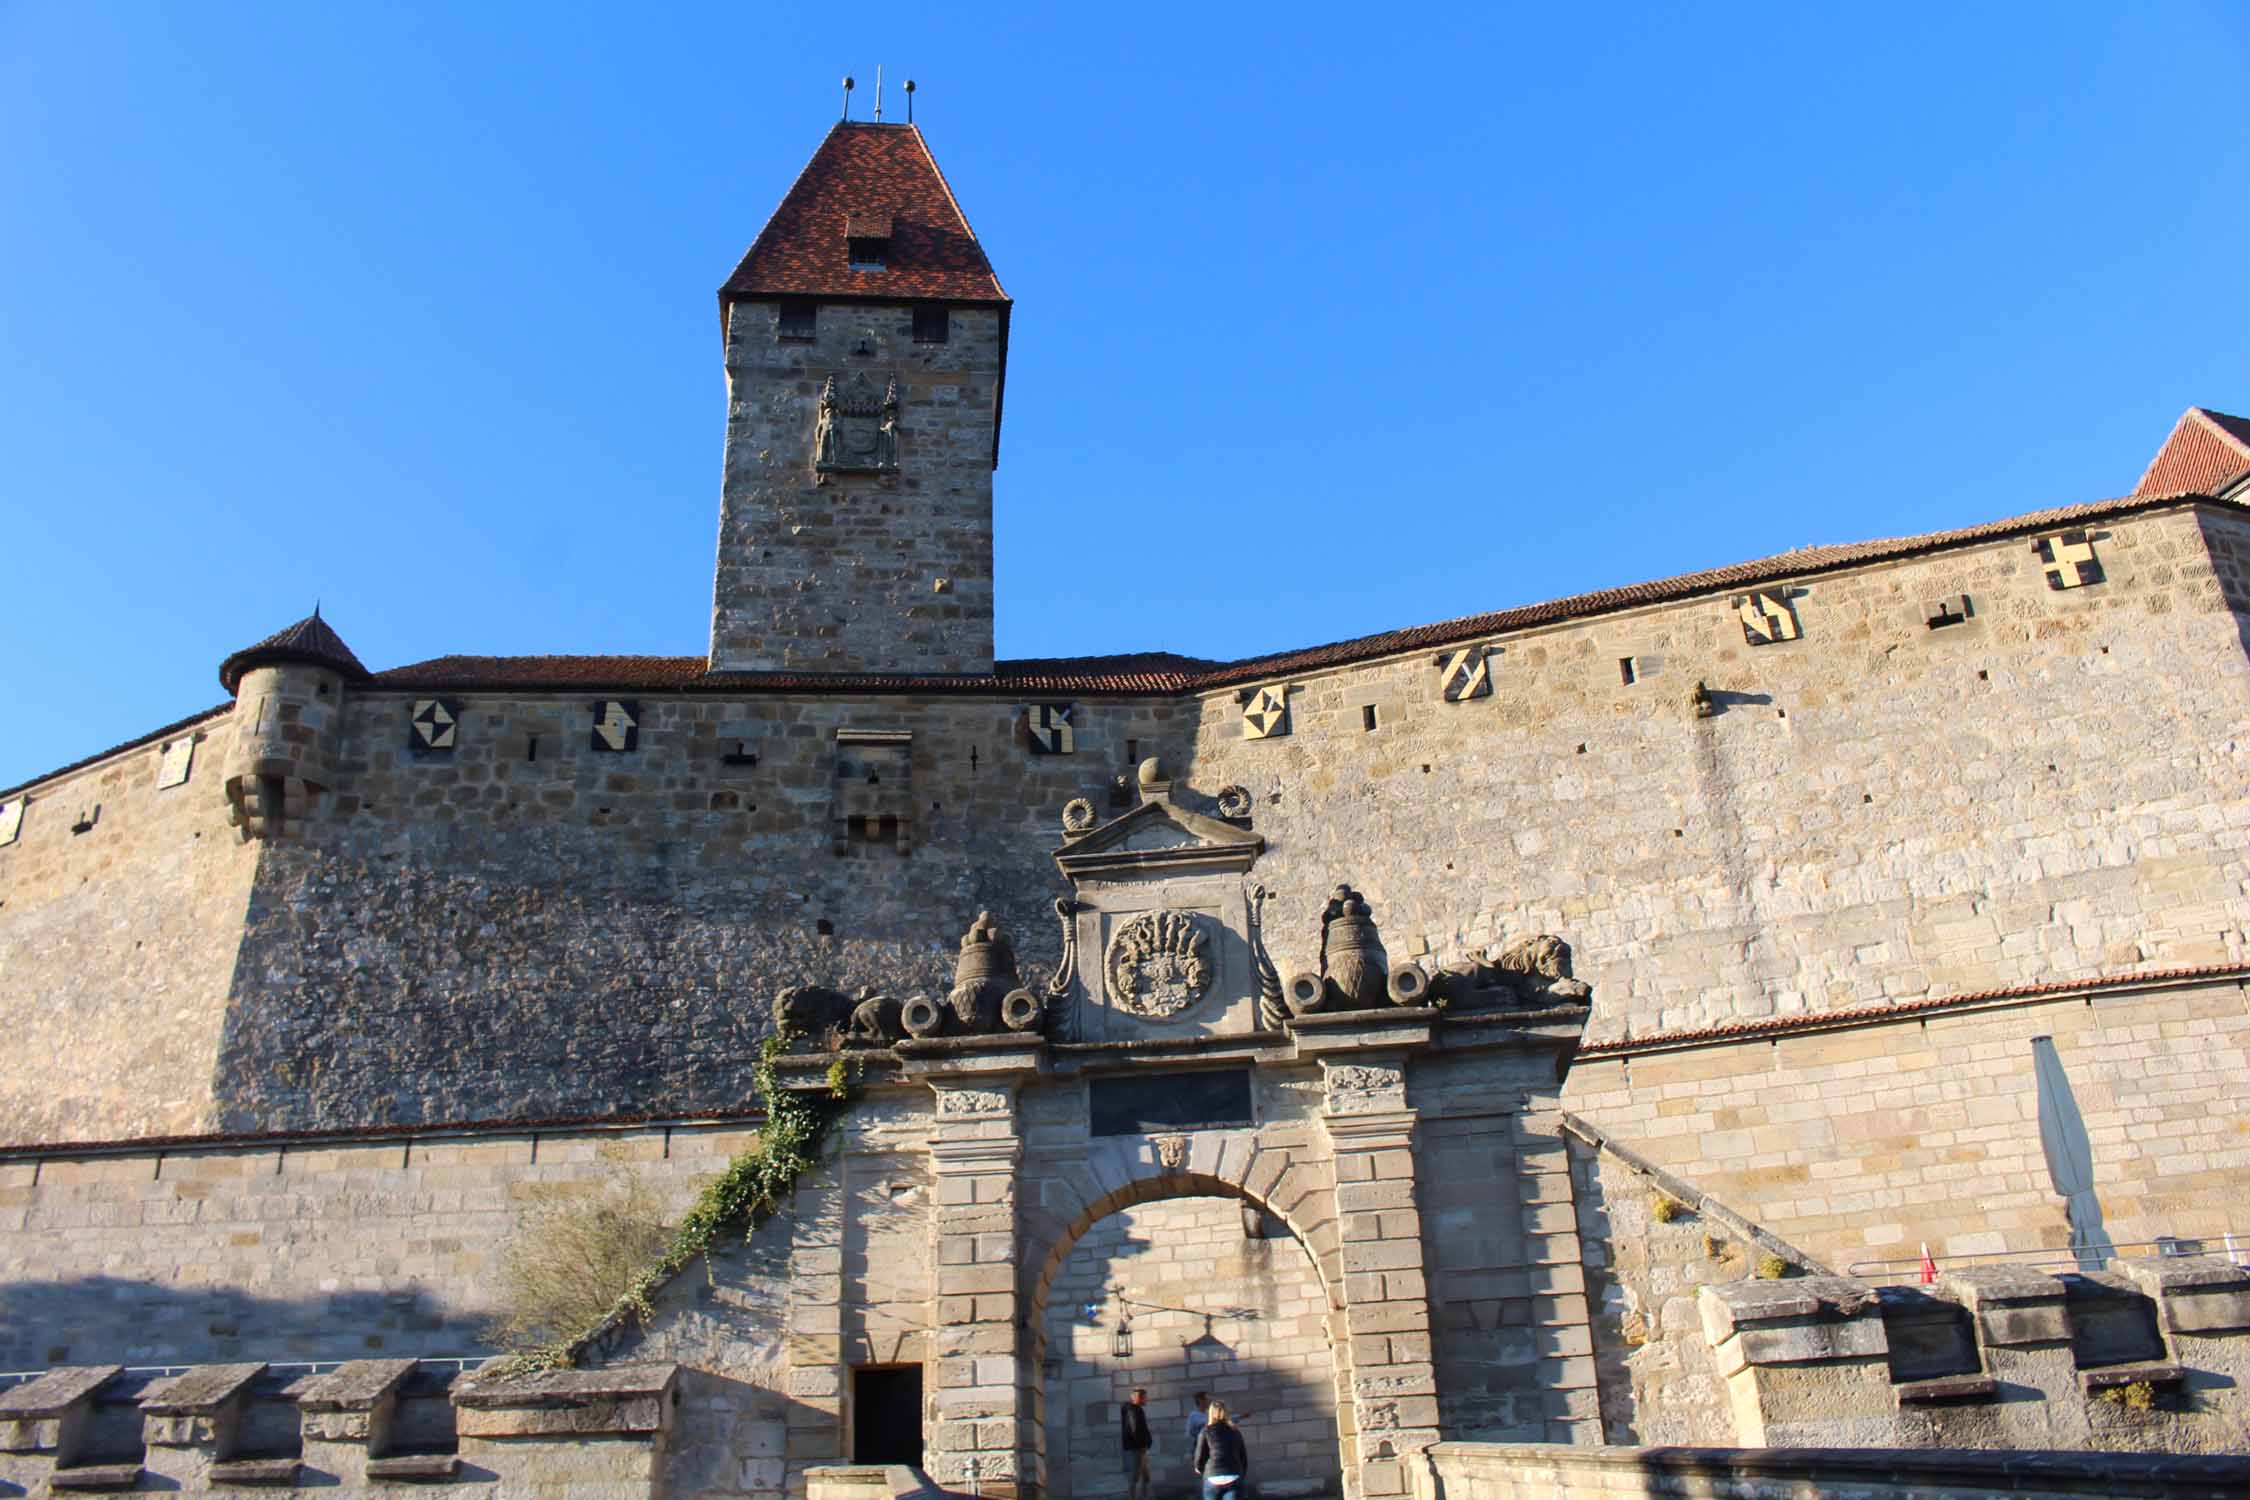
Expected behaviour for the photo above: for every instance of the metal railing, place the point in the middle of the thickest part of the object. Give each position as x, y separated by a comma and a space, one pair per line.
2232, 1244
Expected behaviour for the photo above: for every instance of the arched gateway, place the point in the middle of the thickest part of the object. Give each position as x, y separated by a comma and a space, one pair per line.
1402, 1123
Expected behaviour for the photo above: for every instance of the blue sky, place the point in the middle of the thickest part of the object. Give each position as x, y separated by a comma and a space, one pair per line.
1324, 325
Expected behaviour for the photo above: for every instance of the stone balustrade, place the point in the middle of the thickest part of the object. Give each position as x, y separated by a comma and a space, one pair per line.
2149, 1354
363, 1425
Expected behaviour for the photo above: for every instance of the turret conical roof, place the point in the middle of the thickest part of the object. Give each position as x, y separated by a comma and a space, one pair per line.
310, 641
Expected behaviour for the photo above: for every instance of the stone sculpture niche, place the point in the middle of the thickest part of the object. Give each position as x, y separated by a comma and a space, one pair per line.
857, 431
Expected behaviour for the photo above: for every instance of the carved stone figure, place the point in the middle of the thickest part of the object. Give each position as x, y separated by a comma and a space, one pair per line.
822, 1019
987, 995
1159, 964
1531, 970
1355, 973
857, 430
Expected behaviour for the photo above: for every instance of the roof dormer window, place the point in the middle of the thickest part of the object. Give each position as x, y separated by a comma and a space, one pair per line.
867, 240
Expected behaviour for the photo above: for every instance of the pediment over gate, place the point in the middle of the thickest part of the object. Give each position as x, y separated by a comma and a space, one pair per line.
1164, 925
1157, 840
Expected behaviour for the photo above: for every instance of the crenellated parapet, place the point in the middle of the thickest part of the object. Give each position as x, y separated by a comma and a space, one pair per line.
364, 1424
2145, 1354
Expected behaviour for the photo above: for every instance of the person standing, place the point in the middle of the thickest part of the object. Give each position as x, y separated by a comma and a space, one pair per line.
1198, 1419
1132, 1429
1221, 1458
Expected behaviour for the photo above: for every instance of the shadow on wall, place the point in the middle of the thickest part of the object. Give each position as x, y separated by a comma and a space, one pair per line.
110, 1320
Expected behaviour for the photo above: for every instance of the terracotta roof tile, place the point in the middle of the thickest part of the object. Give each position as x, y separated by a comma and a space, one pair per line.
2206, 452
862, 175
309, 640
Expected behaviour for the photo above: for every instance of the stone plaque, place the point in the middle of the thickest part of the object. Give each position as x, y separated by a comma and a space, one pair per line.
2069, 559
1767, 619
11, 820
617, 725
172, 768
1265, 713
1159, 964
1464, 674
1047, 728
434, 726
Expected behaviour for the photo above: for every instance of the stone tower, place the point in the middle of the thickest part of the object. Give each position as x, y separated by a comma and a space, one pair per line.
866, 350
289, 702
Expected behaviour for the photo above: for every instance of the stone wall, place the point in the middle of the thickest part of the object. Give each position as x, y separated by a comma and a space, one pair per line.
299, 1252
493, 935
1500, 1471
121, 906
1859, 1144
886, 572
1876, 811
1264, 1352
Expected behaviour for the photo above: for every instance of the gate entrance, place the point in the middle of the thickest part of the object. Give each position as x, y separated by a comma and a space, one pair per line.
887, 1415
1182, 1295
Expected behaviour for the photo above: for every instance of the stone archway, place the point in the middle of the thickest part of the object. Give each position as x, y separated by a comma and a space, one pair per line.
1211, 1237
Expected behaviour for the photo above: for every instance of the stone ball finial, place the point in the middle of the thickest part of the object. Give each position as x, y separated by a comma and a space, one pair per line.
1152, 773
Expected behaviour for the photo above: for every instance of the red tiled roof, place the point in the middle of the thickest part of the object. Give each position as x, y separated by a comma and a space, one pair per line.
1868, 1015
2206, 451
868, 173
216, 710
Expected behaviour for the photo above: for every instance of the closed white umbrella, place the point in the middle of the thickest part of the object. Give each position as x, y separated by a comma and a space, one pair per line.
2070, 1155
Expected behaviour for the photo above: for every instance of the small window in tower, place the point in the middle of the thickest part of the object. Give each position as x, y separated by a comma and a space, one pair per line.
867, 253
932, 325
799, 320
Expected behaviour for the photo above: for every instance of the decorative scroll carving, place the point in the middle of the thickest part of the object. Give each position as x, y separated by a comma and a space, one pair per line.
987, 996
1065, 977
1273, 1001
1159, 964
1355, 973
1171, 1152
1531, 971
858, 429
1077, 816
971, 1102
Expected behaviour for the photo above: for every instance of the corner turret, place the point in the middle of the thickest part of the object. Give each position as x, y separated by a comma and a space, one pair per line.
288, 704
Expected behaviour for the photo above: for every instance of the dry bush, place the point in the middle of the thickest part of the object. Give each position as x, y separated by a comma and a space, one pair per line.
573, 1254
1772, 1267
1664, 1208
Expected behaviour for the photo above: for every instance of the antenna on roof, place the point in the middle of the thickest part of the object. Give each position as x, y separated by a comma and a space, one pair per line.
878, 93
909, 101
848, 86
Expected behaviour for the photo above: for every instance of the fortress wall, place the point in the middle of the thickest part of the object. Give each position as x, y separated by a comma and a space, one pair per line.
592, 932
1878, 811
117, 945
297, 1253
1860, 1144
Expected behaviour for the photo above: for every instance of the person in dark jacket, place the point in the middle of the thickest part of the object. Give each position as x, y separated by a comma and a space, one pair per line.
1132, 1428
1220, 1457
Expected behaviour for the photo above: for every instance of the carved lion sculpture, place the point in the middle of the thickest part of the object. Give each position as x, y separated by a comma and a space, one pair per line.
813, 1012
1529, 970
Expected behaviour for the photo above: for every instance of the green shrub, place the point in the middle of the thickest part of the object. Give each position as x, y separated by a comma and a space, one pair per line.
1772, 1267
